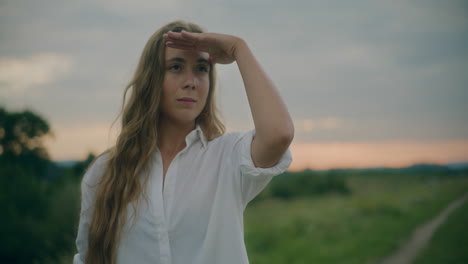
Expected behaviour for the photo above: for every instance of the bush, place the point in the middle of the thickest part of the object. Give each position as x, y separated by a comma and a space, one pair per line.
290, 185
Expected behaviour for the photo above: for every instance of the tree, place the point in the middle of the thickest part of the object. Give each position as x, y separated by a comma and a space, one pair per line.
23, 190
21, 140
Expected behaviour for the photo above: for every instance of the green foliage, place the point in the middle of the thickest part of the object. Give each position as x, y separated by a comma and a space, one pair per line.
21, 136
307, 183
23, 197
79, 168
40, 205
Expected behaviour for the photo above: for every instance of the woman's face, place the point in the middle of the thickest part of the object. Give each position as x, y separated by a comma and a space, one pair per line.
185, 86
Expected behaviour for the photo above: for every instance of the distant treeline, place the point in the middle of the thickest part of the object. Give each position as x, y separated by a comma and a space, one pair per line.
310, 183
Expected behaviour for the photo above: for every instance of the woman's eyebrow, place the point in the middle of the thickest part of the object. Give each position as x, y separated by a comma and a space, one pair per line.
178, 59
203, 60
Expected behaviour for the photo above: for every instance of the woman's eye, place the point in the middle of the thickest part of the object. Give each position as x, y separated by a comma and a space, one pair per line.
203, 68
175, 67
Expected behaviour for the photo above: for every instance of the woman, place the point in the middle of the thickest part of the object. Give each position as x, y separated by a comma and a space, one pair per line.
174, 187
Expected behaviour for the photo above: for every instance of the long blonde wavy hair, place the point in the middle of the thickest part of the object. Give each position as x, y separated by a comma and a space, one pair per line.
128, 160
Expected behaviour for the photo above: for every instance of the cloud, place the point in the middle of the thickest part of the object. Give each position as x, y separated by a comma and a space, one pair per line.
20, 75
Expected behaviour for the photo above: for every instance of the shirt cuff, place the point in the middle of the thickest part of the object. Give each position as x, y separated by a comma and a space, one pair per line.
247, 166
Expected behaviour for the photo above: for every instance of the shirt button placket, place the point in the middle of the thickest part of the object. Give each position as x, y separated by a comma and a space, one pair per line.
172, 172
161, 226
167, 193
165, 248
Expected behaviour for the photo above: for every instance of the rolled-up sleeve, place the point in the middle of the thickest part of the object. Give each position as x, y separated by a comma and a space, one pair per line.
254, 179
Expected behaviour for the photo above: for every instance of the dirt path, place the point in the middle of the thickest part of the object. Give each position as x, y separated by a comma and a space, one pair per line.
408, 251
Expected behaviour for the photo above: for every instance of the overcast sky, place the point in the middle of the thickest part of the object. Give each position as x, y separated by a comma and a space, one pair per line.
355, 72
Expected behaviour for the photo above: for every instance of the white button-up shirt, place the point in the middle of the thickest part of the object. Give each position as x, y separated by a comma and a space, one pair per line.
197, 215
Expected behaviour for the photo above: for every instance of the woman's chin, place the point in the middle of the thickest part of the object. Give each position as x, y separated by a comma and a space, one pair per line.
185, 120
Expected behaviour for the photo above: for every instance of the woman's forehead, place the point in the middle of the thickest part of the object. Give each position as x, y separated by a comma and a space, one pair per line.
185, 54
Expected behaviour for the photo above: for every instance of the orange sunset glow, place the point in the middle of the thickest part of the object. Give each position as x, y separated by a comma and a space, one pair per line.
96, 138
394, 154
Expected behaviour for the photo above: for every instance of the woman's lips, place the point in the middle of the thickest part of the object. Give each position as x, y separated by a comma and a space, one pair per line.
186, 102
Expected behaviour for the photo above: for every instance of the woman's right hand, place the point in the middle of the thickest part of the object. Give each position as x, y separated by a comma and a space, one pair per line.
221, 47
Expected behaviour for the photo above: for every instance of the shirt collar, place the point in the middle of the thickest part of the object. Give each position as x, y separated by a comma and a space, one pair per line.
196, 134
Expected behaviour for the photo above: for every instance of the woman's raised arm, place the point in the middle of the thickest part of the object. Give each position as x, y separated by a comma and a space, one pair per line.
274, 129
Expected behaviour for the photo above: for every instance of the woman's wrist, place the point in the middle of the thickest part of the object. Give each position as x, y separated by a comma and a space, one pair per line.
239, 47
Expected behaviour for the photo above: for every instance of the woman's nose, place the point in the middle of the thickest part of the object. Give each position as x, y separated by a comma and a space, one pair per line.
190, 81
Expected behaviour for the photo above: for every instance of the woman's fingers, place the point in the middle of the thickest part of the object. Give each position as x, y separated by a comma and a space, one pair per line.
168, 37
195, 37
177, 40
173, 35
207, 42
182, 36
178, 45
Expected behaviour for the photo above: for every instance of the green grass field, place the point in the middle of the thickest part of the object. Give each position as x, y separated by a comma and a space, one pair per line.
449, 245
362, 227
